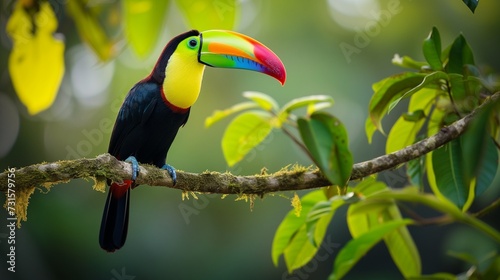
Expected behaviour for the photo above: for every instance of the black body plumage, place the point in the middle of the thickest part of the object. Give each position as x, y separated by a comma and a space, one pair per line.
145, 128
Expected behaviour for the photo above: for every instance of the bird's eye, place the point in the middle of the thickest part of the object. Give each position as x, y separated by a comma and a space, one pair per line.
192, 43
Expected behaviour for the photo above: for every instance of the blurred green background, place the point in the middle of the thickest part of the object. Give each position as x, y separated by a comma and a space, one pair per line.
223, 238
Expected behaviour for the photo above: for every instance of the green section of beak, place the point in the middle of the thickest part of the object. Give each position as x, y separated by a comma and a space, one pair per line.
228, 49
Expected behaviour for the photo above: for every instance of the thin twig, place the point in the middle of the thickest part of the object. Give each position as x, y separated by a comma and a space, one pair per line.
487, 209
421, 221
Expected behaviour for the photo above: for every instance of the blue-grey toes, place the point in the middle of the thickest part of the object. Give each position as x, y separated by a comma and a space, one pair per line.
135, 166
171, 172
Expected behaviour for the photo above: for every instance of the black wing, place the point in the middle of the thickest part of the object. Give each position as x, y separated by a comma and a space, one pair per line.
135, 111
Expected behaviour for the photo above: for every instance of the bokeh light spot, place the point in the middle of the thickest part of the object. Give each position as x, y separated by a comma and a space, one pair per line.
354, 14
89, 77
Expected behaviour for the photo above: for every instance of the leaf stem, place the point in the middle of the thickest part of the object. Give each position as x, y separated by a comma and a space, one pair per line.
441, 206
419, 220
448, 90
487, 209
297, 141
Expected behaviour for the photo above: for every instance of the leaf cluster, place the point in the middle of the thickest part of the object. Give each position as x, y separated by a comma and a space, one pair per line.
440, 90
445, 87
259, 116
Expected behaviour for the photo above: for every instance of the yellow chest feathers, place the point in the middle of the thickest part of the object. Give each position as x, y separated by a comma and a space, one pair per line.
183, 76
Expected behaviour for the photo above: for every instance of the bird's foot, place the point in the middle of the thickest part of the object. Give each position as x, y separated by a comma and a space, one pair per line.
135, 166
171, 172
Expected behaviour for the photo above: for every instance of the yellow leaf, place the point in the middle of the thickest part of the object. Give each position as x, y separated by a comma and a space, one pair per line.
90, 29
36, 63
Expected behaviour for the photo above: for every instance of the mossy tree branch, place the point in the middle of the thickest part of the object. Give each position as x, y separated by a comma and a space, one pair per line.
293, 179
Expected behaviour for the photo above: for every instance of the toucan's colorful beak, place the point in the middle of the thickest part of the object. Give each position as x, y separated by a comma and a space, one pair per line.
228, 49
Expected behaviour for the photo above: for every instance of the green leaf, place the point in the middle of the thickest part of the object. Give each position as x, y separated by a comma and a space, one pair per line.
435, 124
326, 139
401, 246
408, 62
422, 100
368, 213
435, 120
414, 116
480, 152
432, 50
487, 168
332, 191
357, 218
388, 90
143, 23
320, 216
450, 118
431, 79
265, 101
204, 15
291, 224
306, 101
445, 55
370, 129
311, 108
321, 227
404, 132
245, 132
300, 251
370, 185
415, 170
218, 115
431, 176
494, 124
473, 88
493, 270
458, 91
460, 55
448, 169
358, 247
322, 211
472, 4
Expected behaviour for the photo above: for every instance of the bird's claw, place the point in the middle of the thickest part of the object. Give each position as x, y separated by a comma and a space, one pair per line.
171, 172
135, 166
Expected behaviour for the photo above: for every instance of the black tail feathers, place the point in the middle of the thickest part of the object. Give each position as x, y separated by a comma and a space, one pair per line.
114, 224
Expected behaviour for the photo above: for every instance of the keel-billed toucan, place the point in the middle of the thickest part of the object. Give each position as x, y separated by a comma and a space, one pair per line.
157, 106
